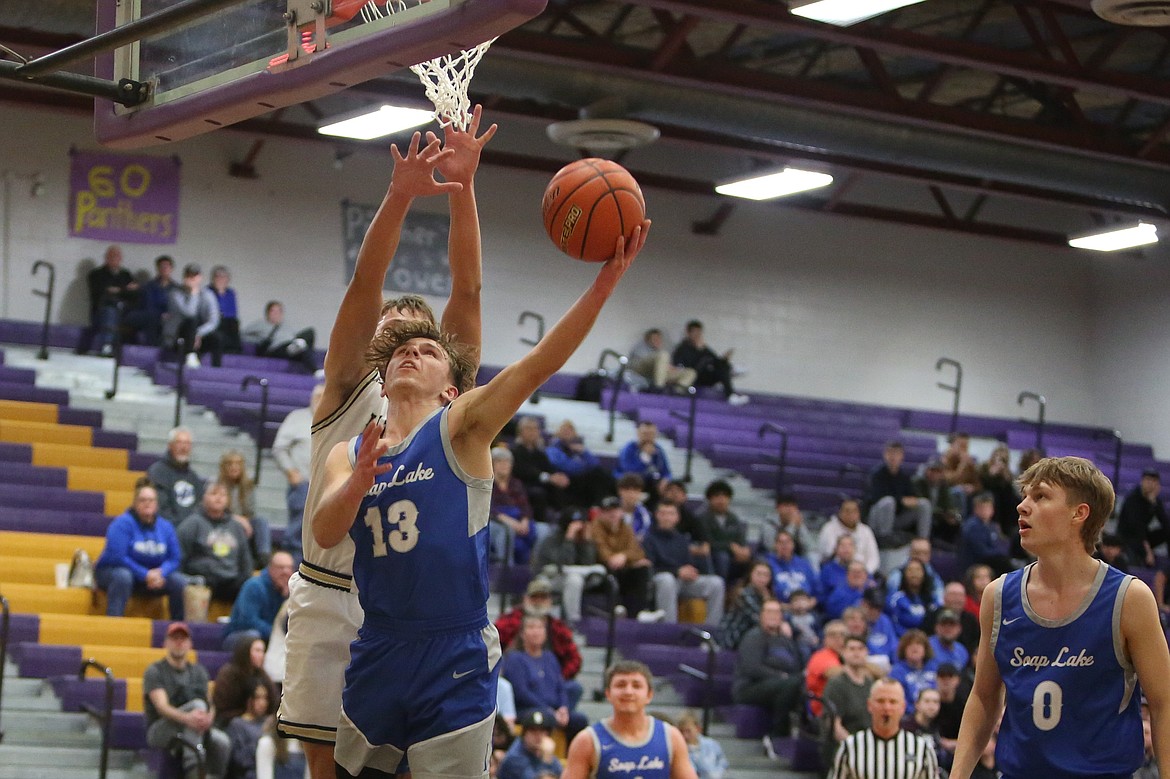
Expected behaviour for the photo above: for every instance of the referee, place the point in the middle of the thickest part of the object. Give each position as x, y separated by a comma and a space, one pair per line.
884, 750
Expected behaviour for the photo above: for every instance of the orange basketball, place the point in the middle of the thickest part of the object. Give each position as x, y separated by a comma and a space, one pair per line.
588, 204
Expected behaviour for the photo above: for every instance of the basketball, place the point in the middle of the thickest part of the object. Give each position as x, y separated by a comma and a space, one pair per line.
588, 204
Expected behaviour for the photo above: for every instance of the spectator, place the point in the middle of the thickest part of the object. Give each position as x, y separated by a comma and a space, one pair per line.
790, 572
849, 592
710, 368
538, 603
589, 482
193, 318
915, 669
945, 516
215, 546
675, 493
273, 338
630, 490
1112, 552
955, 599
982, 541
511, 513
645, 457
833, 570
747, 598
975, 581
881, 636
677, 570
847, 521
960, 471
846, 697
884, 750
789, 517
921, 550
769, 670
896, 513
824, 664
804, 620
147, 317
706, 755
650, 359
533, 754
229, 309
238, 679
141, 556
996, 477
726, 533
620, 552
909, 605
536, 678
242, 504
179, 488
1028, 458
544, 484
952, 701
246, 729
945, 646
924, 720
1140, 510
568, 557
175, 704
292, 451
259, 602
111, 290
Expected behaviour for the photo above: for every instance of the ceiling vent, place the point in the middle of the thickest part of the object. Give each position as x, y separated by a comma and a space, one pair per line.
602, 136
1138, 13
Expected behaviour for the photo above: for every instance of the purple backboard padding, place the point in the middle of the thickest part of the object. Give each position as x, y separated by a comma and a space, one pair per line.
334, 69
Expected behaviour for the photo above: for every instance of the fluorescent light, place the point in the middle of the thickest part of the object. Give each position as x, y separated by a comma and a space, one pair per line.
787, 182
384, 120
846, 12
1115, 238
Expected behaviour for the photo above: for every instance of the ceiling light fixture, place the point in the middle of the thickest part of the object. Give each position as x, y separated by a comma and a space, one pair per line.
370, 124
1111, 239
846, 12
770, 185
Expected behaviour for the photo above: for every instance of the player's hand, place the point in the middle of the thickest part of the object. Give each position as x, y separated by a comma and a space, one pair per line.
623, 256
466, 146
366, 468
414, 174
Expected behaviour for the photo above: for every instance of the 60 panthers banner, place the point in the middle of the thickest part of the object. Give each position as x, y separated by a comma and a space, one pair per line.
124, 198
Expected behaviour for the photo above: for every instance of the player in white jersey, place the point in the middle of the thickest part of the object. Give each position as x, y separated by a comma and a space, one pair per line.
324, 614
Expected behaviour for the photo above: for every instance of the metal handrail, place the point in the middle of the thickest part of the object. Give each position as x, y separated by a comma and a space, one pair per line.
1118, 444
182, 744
689, 418
616, 385
47, 294
1042, 402
120, 307
956, 388
247, 382
782, 458
506, 565
709, 689
181, 345
4, 630
106, 716
524, 317
611, 592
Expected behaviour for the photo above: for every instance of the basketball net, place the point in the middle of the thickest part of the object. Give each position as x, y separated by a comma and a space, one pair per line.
446, 80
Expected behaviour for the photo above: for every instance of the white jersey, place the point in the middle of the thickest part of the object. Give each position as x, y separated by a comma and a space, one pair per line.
347, 421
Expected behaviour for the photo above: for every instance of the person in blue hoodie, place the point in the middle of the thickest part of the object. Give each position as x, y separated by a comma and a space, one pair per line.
141, 556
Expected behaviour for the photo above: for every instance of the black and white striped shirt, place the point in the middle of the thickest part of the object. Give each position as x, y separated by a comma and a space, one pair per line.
864, 755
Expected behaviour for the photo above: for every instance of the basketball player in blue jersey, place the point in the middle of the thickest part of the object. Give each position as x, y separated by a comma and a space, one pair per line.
1064, 643
324, 614
412, 494
630, 744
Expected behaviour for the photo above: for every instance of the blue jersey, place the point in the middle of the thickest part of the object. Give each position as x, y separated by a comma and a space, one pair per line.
1073, 705
421, 540
618, 760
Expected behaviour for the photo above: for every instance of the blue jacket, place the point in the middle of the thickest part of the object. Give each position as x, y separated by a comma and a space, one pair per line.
669, 550
630, 461
906, 611
980, 542
796, 574
519, 763
882, 638
574, 464
536, 681
256, 606
141, 548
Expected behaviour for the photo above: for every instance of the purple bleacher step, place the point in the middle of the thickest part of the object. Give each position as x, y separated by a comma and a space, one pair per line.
17, 375
17, 332
15, 453
115, 439
665, 658
749, 721
34, 475
128, 730
76, 693
78, 416
141, 357
22, 628
23, 496
39, 520
694, 690
40, 661
31, 394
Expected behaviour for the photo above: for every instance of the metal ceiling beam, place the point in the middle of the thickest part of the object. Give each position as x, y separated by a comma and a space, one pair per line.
950, 51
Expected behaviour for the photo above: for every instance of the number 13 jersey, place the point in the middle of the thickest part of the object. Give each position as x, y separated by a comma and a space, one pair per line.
1073, 705
420, 537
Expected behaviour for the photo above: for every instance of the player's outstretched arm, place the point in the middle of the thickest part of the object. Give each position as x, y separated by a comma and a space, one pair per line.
681, 766
986, 700
346, 485
1146, 643
580, 761
462, 315
479, 415
413, 176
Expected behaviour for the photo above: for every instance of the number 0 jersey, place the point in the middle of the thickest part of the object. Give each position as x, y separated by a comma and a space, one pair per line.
420, 538
1073, 704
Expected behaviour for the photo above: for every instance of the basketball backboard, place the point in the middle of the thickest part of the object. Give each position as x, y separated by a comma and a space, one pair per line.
260, 55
